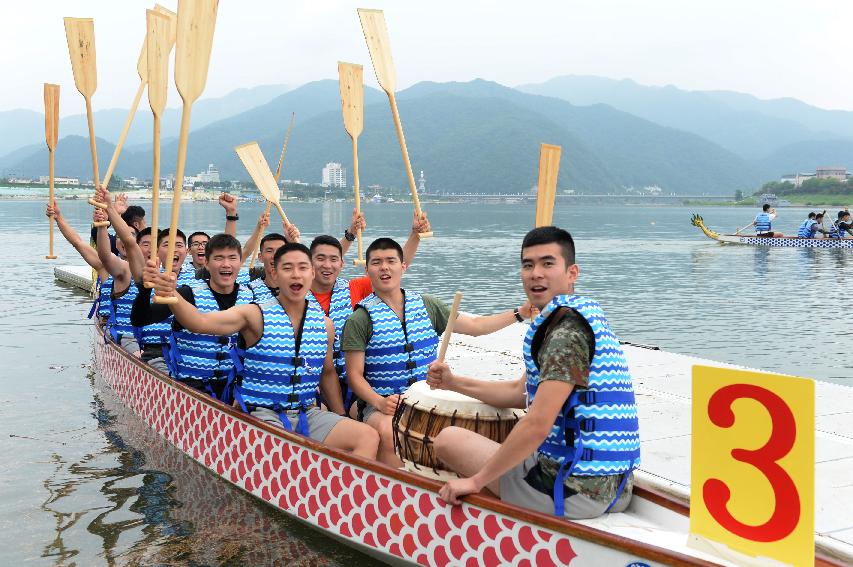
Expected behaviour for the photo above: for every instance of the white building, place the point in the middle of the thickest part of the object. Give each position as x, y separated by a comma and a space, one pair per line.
334, 175
45, 179
209, 176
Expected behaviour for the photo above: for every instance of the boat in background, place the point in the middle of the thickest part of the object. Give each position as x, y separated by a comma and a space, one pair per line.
783, 242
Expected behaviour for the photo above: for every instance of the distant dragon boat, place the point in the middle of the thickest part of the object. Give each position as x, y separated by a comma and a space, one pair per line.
784, 242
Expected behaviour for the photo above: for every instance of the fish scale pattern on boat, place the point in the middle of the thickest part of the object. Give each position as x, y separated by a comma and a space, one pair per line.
386, 514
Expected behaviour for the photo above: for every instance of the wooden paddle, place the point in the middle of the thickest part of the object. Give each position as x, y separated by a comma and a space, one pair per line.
277, 178
196, 22
142, 70
549, 169
448, 330
51, 136
351, 79
379, 45
159, 42
256, 165
80, 35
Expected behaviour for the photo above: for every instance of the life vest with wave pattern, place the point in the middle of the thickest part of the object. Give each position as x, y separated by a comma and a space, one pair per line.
261, 292
597, 432
397, 355
101, 304
280, 372
808, 229
159, 333
120, 308
762, 223
195, 356
340, 308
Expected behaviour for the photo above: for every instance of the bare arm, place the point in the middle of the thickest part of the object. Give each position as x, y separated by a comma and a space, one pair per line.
114, 265
90, 256
419, 224
135, 258
486, 324
357, 223
252, 242
330, 387
355, 377
229, 203
498, 393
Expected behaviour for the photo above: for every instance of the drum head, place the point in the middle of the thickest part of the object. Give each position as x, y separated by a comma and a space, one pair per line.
446, 402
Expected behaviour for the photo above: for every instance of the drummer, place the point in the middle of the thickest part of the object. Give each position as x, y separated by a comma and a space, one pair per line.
392, 336
575, 369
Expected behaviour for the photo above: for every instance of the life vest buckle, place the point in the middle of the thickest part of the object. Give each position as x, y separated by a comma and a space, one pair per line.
297, 361
411, 365
409, 347
586, 455
587, 424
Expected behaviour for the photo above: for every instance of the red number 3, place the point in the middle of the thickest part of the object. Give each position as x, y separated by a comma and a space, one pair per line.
786, 514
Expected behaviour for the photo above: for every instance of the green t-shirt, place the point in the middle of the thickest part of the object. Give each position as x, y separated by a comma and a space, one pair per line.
358, 328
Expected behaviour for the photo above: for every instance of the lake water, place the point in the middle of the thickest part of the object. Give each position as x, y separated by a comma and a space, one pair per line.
84, 482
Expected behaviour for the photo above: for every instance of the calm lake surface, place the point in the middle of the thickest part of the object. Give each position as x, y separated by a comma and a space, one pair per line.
83, 482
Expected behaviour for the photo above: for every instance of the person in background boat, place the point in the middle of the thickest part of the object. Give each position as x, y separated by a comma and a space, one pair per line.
287, 354
337, 296
196, 243
392, 336
122, 291
843, 226
811, 226
203, 361
154, 335
763, 225
574, 452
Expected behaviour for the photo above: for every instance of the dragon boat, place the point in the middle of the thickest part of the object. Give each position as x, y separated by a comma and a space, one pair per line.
393, 515
783, 242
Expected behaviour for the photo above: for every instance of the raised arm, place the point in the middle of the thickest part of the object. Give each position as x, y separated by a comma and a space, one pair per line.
252, 242
498, 393
135, 258
89, 254
229, 203
357, 223
486, 324
112, 263
330, 386
419, 224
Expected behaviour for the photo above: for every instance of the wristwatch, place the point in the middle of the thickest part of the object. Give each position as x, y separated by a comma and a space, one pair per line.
348, 235
232, 217
518, 316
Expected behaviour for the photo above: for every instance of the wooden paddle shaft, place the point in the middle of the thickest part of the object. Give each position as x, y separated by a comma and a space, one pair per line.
123, 136
448, 330
402, 138
51, 220
51, 135
258, 247
90, 121
359, 261
549, 169
155, 187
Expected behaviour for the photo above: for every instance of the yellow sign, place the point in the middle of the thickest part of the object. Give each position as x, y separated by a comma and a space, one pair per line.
752, 464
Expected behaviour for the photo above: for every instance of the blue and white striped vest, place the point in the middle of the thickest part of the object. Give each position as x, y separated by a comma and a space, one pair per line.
243, 277
260, 291
597, 432
340, 308
120, 308
762, 223
808, 229
158, 333
195, 356
397, 355
278, 372
101, 304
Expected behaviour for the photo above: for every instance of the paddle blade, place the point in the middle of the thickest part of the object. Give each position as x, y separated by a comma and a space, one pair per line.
142, 62
259, 170
351, 81
549, 168
158, 47
80, 34
51, 115
379, 45
196, 21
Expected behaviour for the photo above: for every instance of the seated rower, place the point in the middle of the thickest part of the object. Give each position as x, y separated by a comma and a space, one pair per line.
843, 226
392, 336
337, 296
288, 354
811, 226
204, 361
574, 452
763, 225
123, 289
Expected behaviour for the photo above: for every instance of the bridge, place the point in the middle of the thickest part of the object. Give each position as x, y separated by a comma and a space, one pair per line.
578, 198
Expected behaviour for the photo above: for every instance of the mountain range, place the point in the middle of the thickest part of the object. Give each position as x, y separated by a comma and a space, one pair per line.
480, 136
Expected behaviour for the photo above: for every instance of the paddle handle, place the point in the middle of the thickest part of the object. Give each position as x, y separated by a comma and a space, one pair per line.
359, 261
402, 138
176, 197
445, 340
123, 136
281, 212
90, 122
155, 193
258, 247
52, 201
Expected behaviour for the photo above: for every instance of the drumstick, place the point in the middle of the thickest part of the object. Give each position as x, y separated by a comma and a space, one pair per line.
51, 133
448, 330
549, 168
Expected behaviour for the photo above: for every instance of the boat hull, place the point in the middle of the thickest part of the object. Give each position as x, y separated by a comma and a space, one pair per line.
783, 242
387, 513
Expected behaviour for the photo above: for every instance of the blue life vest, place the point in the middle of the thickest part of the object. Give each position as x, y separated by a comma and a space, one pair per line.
243, 277
194, 356
187, 270
158, 333
597, 433
120, 308
260, 291
762, 223
397, 355
101, 305
282, 370
808, 229
340, 308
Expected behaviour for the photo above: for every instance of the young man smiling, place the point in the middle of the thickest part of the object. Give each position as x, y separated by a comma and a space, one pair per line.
574, 452
392, 336
287, 355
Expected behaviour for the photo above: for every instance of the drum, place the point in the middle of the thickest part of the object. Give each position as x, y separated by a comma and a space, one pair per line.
423, 413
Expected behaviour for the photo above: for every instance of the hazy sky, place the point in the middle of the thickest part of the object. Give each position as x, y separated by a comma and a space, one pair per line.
768, 48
